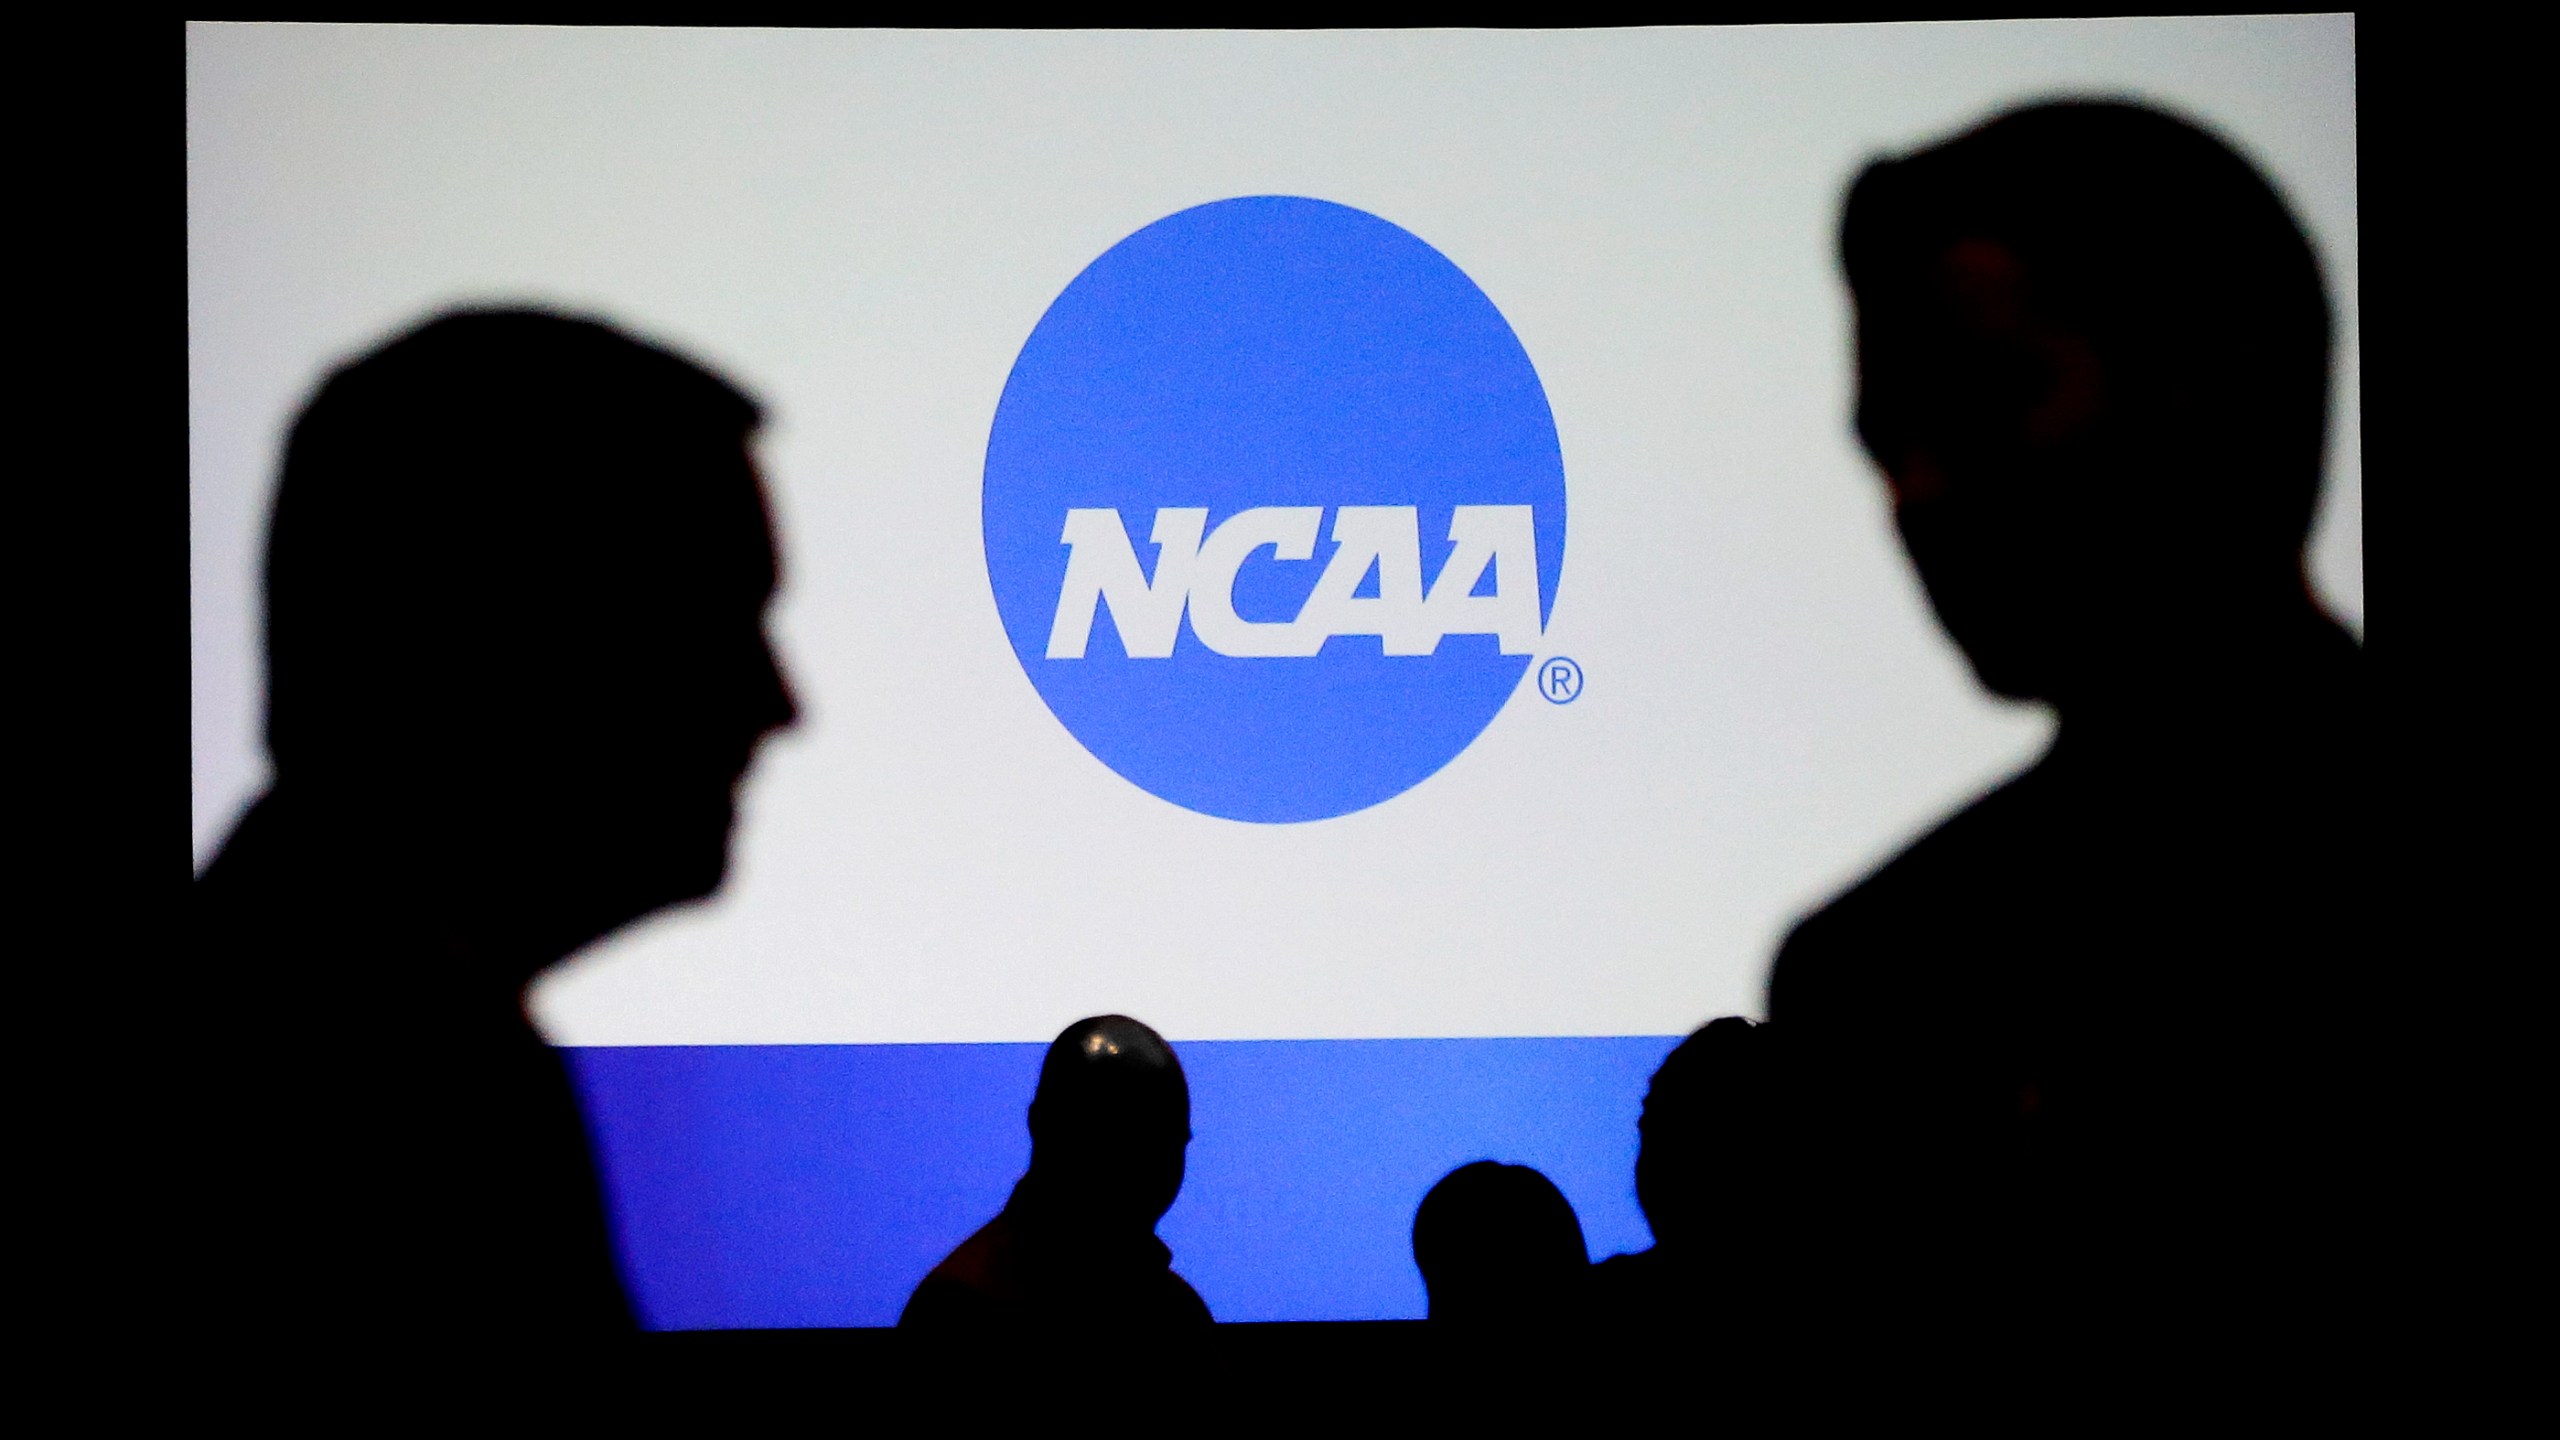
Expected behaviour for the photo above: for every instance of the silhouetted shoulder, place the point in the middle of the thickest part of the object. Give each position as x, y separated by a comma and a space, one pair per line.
976, 1284
1879, 947
1625, 1289
995, 1280
972, 1285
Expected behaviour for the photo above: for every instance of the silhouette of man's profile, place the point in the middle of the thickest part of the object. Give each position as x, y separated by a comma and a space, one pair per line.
2091, 1026
1074, 1252
515, 591
1499, 1246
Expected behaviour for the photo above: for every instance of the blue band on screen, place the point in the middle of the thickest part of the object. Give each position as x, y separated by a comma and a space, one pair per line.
787, 1186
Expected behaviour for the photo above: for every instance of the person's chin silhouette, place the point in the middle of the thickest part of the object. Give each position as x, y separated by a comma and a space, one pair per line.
2088, 1029
516, 583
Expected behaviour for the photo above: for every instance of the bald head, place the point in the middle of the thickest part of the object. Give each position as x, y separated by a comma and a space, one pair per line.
1111, 1119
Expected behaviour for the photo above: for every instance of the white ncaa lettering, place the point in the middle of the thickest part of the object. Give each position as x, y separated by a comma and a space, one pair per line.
1505, 537
1102, 567
1389, 537
1290, 531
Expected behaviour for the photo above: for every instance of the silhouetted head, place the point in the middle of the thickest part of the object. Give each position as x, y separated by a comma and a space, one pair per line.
1110, 1124
2093, 363
1497, 1244
516, 584
1708, 1133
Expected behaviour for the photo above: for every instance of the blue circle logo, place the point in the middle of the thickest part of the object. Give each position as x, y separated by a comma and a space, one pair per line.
1274, 509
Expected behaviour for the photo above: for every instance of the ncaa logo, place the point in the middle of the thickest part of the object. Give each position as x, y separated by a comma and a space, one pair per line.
1274, 509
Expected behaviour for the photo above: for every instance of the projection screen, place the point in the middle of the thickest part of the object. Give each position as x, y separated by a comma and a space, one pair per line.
1417, 865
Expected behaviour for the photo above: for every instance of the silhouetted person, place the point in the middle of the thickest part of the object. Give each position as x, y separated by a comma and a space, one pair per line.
1500, 1247
2092, 1036
1074, 1252
1709, 1177
516, 663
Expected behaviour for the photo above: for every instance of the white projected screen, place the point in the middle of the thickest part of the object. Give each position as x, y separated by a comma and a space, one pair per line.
864, 229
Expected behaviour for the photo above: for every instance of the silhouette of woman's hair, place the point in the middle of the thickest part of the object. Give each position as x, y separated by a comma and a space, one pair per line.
2160, 244
480, 500
1497, 1243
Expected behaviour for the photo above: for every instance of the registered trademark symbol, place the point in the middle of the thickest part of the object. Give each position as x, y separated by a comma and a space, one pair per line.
1560, 680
